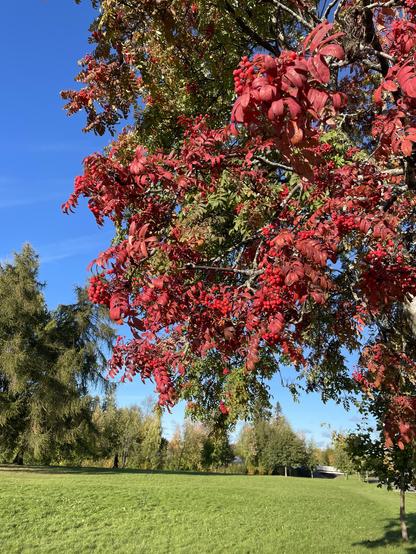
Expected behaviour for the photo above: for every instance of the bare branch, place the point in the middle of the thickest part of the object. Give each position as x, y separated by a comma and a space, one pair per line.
294, 14
277, 165
286, 201
250, 272
379, 5
395, 171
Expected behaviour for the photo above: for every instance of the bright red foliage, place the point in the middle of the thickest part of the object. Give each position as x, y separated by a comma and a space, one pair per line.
330, 242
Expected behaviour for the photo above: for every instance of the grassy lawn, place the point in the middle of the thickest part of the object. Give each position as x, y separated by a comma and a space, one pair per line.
75, 511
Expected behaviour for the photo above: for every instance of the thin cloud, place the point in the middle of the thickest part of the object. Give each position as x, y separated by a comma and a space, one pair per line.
47, 147
72, 247
33, 201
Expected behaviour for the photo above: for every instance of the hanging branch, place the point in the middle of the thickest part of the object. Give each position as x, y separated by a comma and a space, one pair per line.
296, 15
250, 32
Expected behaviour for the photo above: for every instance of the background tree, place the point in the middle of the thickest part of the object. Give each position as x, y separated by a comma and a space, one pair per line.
217, 451
313, 456
175, 450
342, 457
270, 445
47, 361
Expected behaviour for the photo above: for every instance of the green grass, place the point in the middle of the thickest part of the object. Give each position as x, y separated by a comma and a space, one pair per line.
75, 511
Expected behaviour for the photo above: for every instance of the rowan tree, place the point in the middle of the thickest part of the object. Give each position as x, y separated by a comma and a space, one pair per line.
263, 216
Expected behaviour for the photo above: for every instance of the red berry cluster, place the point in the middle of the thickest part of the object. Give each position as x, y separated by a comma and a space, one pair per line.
217, 299
98, 291
272, 288
243, 75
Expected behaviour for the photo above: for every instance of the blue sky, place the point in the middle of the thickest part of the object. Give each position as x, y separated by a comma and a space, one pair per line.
41, 150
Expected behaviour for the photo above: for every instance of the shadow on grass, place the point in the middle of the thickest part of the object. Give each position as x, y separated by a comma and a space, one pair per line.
392, 535
64, 470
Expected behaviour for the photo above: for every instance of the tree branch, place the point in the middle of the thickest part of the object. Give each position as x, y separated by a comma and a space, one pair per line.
250, 32
294, 14
250, 272
290, 195
379, 5
270, 163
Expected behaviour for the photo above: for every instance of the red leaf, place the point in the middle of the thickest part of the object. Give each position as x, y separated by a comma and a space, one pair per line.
339, 100
407, 147
237, 113
319, 69
276, 109
295, 133
378, 99
294, 107
291, 278
266, 93
315, 37
163, 299
334, 50
318, 99
409, 87
390, 86
295, 78
245, 100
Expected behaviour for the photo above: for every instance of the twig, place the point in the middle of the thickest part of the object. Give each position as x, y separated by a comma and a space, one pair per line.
337, 9
250, 32
379, 5
289, 196
250, 272
295, 15
387, 56
277, 165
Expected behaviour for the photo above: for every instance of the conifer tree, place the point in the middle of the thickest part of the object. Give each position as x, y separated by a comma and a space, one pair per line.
47, 361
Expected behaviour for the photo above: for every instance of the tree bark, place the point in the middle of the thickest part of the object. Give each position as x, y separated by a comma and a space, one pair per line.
285, 471
403, 525
124, 459
18, 459
115, 462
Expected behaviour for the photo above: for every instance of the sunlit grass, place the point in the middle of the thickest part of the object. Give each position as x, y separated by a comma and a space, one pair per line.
58, 510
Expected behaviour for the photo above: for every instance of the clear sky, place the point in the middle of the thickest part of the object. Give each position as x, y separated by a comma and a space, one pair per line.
41, 150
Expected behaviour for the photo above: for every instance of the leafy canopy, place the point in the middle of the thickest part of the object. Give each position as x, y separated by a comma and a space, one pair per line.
262, 197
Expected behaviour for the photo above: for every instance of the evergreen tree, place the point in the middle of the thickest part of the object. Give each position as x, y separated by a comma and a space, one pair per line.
47, 361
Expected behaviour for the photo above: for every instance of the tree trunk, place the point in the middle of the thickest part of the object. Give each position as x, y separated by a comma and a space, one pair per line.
18, 459
311, 470
403, 525
285, 471
115, 462
124, 459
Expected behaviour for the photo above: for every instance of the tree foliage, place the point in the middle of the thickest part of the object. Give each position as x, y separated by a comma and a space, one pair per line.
270, 445
47, 361
263, 216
